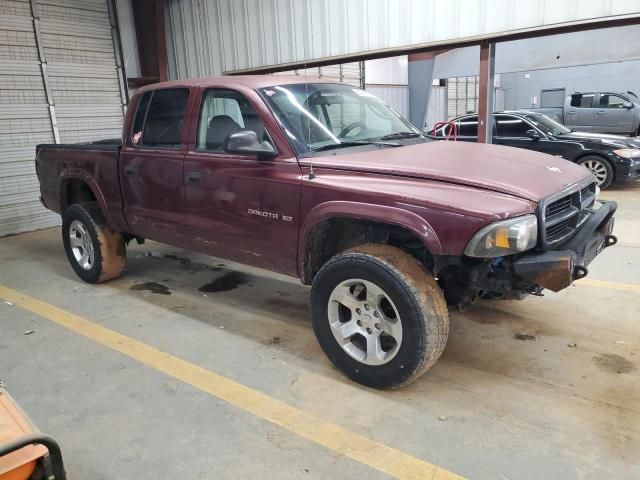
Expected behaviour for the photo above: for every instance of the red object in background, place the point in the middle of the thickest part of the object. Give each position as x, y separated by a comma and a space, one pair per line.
451, 133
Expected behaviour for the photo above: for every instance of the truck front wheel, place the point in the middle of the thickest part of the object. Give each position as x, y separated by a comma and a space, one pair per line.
95, 251
379, 316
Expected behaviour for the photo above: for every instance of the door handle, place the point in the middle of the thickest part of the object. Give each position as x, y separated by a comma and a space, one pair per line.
600, 112
571, 111
194, 177
130, 170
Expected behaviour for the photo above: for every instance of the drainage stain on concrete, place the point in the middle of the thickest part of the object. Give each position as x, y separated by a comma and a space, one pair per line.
611, 363
524, 336
228, 281
152, 287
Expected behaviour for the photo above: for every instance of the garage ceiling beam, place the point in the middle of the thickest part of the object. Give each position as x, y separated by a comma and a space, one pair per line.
148, 17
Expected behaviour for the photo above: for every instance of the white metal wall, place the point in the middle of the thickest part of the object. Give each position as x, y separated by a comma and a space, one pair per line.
350, 73
388, 79
59, 82
396, 96
208, 37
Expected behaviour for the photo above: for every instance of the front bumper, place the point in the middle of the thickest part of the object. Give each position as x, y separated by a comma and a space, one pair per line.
557, 269
626, 172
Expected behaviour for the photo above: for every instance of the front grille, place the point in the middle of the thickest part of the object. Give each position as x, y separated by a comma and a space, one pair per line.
558, 206
563, 216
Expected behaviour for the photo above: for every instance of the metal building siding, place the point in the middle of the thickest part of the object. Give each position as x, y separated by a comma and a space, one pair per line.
216, 36
75, 40
396, 96
24, 120
78, 46
350, 73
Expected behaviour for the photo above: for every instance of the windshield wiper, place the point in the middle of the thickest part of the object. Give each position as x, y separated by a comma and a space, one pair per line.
399, 135
353, 143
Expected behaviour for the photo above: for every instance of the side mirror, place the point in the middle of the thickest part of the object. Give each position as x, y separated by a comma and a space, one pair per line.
534, 134
627, 105
245, 142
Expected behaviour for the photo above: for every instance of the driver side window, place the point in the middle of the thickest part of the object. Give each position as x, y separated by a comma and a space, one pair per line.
222, 113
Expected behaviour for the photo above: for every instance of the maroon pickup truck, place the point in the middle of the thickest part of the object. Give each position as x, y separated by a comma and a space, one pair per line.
324, 182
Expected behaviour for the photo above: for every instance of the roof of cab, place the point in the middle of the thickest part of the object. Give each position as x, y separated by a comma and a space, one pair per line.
249, 81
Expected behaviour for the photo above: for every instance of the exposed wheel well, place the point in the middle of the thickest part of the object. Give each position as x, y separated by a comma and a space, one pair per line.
76, 191
338, 234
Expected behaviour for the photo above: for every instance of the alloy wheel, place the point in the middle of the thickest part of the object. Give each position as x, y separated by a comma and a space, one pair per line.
598, 169
81, 245
365, 322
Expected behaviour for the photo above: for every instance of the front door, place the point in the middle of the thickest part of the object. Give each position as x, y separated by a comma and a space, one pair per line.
240, 207
152, 166
612, 116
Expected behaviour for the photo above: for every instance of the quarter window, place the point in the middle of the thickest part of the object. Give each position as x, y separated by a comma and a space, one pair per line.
224, 112
160, 118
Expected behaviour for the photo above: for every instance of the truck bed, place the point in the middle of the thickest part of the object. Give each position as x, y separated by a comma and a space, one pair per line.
92, 160
107, 144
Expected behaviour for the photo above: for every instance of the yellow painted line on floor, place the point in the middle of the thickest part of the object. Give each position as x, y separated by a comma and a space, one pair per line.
628, 287
357, 447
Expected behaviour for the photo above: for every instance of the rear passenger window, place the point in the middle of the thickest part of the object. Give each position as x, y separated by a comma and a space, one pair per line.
582, 101
224, 112
160, 118
141, 113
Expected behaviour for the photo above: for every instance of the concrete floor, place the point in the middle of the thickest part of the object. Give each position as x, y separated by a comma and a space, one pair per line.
563, 405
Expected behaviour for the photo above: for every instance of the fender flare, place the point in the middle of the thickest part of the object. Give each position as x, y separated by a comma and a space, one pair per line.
82, 175
365, 211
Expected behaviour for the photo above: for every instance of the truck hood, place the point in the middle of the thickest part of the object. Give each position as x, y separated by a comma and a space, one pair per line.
513, 171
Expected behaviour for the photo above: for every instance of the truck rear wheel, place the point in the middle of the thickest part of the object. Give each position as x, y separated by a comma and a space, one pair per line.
379, 316
95, 251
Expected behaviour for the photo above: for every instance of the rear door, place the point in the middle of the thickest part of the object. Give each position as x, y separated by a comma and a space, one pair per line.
580, 114
240, 207
612, 116
467, 128
152, 165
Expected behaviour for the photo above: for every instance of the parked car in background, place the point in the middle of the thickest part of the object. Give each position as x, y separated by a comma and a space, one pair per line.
603, 112
611, 158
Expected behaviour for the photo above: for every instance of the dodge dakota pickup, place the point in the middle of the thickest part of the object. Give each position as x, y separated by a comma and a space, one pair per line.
324, 182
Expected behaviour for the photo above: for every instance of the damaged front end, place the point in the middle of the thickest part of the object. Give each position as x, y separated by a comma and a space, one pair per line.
554, 265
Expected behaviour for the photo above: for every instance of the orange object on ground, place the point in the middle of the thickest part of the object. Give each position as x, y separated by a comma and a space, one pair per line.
21, 444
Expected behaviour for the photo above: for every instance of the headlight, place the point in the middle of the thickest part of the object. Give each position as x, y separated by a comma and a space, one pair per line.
504, 238
628, 152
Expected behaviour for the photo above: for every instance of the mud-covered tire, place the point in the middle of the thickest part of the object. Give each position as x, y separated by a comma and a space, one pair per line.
106, 245
600, 168
414, 294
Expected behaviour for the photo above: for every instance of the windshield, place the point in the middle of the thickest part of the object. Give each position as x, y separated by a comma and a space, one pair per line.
324, 116
546, 124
